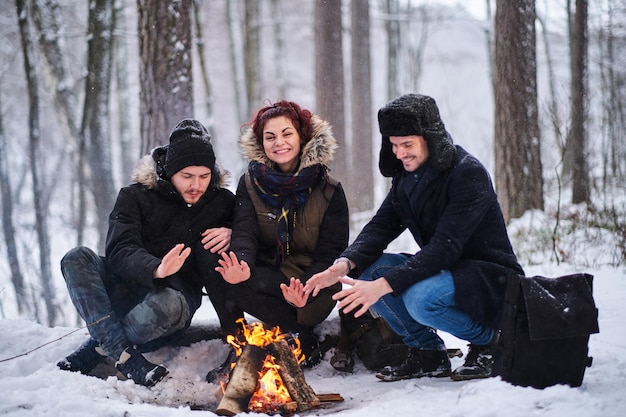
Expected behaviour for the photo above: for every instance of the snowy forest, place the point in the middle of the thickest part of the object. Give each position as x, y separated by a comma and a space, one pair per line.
535, 89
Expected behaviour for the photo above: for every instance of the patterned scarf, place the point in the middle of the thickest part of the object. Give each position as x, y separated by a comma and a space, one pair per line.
287, 192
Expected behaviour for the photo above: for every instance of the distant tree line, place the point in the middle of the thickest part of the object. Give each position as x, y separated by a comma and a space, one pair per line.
65, 66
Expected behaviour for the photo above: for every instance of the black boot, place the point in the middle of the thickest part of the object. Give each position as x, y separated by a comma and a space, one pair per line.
84, 359
311, 350
222, 372
418, 363
478, 363
133, 365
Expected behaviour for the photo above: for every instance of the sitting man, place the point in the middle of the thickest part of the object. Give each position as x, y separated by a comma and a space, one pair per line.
165, 235
457, 280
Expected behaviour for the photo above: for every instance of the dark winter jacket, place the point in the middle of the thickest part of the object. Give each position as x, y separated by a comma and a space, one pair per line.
150, 217
319, 236
456, 220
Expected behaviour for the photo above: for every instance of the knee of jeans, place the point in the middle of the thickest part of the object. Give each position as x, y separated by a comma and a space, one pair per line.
172, 306
76, 254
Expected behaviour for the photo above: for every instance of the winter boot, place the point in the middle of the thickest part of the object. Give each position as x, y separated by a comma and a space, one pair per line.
418, 363
222, 372
133, 365
84, 359
311, 350
478, 363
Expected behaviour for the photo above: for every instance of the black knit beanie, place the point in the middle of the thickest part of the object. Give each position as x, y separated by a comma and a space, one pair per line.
414, 114
190, 145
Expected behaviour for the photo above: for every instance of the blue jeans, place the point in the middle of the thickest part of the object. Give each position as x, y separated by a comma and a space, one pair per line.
159, 313
424, 307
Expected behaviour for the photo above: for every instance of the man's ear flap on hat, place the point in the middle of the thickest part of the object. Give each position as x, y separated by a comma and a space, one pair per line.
388, 164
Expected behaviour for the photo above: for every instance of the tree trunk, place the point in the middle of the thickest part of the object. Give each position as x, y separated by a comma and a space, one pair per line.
519, 181
36, 164
235, 42
329, 81
578, 132
279, 48
165, 72
46, 18
251, 54
204, 73
96, 121
392, 26
362, 180
8, 228
121, 58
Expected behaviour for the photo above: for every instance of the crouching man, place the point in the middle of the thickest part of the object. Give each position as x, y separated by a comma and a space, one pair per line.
456, 281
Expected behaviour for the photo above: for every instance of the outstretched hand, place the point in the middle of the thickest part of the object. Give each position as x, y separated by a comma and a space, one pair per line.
232, 270
360, 295
172, 261
324, 279
294, 293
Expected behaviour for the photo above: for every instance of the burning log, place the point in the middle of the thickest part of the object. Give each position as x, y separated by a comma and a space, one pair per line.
293, 377
243, 382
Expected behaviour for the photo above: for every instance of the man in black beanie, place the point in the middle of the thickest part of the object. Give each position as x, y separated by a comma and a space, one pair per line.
166, 232
456, 281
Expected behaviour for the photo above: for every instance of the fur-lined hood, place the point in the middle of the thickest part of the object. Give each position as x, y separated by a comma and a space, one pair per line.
149, 170
319, 150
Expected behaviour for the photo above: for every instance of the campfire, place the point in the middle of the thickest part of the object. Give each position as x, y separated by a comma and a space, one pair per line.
266, 376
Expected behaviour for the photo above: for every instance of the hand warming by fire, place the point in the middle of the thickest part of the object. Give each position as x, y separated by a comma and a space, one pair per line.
266, 376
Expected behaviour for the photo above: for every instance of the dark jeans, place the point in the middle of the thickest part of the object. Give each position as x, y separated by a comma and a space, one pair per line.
262, 298
102, 300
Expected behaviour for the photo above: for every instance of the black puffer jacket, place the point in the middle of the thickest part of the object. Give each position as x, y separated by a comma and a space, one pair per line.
456, 220
149, 218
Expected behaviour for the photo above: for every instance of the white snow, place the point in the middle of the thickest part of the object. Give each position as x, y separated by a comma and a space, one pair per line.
32, 385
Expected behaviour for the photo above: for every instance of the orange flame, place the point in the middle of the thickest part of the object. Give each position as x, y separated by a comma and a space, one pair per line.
270, 392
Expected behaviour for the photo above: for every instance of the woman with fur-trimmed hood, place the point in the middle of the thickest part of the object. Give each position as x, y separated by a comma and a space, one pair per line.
291, 221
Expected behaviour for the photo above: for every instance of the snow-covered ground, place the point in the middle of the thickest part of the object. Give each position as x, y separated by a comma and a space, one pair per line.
32, 385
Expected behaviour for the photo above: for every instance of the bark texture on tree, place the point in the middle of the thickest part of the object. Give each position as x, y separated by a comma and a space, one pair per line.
519, 179
165, 74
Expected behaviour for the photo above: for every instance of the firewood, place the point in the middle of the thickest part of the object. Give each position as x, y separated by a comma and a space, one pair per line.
243, 382
292, 376
326, 398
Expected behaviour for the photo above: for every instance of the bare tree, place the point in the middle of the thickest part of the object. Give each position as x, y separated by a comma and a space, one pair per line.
329, 80
576, 142
361, 106
166, 68
122, 93
613, 81
392, 26
519, 180
251, 54
96, 121
204, 73
47, 21
8, 226
36, 162
279, 48
236, 45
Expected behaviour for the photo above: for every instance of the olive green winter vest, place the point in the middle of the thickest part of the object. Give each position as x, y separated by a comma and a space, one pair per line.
305, 233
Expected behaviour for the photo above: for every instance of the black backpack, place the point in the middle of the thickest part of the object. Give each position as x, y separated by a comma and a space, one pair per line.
545, 330
371, 339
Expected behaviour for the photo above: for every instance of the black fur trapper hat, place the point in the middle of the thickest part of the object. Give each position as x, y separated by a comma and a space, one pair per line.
414, 114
